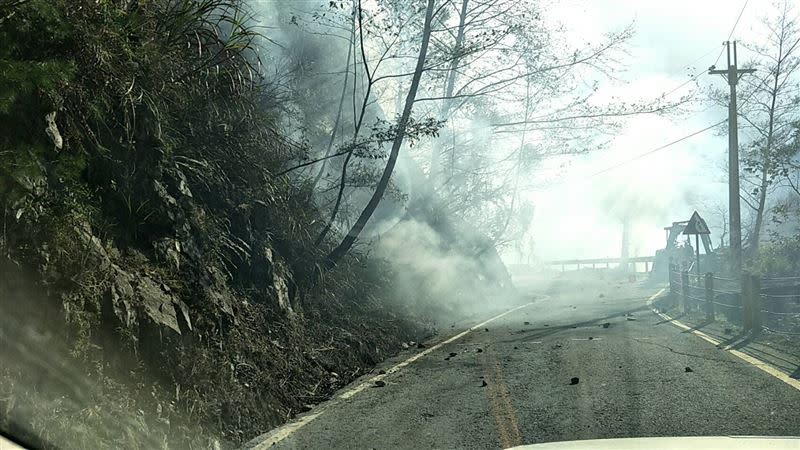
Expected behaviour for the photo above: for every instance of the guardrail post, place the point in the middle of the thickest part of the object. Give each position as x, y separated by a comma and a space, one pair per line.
710, 296
747, 301
755, 302
673, 294
685, 290
671, 281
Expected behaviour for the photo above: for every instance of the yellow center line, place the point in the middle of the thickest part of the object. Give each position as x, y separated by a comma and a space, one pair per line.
273, 437
777, 373
501, 408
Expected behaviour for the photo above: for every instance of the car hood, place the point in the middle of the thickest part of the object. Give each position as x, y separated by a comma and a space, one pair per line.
669, 443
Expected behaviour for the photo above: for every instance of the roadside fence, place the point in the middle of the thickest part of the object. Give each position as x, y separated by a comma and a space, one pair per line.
752, 302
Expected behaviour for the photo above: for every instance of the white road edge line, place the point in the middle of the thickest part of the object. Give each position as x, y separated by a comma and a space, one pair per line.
777, 373
282, 432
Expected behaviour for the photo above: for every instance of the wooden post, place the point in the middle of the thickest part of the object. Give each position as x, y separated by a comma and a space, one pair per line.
669, 280
685, 290
672, 291
710, 297
755, 302
746, 302
697, 251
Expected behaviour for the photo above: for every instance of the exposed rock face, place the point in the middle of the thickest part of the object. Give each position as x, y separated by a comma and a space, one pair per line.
52, 131
190, 269
280, 280
119, 301
157, 305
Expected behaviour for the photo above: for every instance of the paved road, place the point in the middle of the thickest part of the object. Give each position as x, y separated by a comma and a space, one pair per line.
632, 381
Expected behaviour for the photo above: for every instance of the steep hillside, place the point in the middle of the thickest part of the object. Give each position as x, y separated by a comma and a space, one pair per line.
156, 277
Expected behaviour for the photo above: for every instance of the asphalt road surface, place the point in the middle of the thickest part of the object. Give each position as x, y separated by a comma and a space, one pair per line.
513, 384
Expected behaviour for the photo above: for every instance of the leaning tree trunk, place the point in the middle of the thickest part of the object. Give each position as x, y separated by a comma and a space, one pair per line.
765, 166
348, 241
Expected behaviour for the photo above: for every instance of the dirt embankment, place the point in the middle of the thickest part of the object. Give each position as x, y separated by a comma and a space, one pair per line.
128, 351
160, 284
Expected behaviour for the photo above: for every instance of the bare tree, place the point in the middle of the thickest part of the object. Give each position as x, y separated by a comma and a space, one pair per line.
369, 209
770, 113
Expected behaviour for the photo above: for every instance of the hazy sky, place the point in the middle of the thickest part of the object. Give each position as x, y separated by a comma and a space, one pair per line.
572, 218
578, 216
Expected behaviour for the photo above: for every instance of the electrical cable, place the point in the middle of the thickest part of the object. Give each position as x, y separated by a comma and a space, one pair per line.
658, 149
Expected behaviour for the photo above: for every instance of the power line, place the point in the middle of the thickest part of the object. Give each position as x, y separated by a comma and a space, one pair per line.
693, 76
733, 28
665, 146
722, 50
657, 149
737, 19
640, 156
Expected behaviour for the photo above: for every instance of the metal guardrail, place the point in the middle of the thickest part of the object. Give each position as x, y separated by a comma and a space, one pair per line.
771, 303
594, 262
632, 259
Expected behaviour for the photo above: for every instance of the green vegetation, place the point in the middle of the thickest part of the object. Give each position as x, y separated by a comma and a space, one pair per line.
163, 260
778, 258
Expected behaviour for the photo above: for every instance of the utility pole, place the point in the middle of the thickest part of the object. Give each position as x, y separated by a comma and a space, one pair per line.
732, 74
625, 244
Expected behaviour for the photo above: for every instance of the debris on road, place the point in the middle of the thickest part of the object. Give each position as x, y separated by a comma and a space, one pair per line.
404, 345
486, 329
420, 345
688, 369
606, 325
381, 372
631, 318
479, 350
590, 338
453, 354
527, 323
380, 383
483, 383
515, 347
574, 381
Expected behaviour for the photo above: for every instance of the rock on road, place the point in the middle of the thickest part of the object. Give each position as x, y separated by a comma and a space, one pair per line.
592, 362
